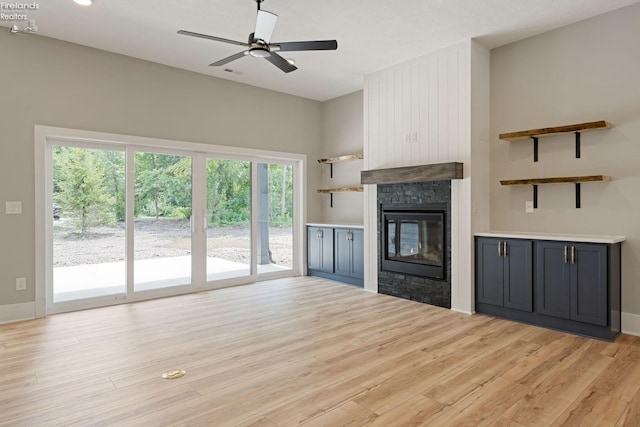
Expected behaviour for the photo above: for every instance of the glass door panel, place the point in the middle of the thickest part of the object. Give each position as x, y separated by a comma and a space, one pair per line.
275, 217
162, 225
228, 219
88, 214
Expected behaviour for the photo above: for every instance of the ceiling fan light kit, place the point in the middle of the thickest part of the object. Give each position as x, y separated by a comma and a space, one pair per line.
259, 44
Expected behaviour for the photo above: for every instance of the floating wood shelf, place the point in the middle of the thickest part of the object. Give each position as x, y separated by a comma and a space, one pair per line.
358, 189
559, 180
330, 191
534, 134
340, 159
346, 158
577, 180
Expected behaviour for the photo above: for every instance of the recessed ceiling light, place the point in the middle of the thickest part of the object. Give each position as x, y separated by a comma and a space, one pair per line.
84, 2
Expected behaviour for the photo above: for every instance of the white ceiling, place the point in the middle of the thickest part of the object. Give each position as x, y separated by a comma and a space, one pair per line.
371, 34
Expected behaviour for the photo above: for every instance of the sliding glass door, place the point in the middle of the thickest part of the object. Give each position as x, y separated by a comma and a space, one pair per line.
162, 221
128, 223
228, 219
87, 219
274, 217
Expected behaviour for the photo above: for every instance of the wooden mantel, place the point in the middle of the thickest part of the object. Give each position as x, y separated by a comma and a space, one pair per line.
408, 174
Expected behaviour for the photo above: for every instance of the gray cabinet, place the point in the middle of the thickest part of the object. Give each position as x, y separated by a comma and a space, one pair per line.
349, 253
504, 276
572, 281
320, 249
336, 253
570, 286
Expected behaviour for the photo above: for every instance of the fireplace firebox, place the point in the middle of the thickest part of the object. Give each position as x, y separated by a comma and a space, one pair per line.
413, 240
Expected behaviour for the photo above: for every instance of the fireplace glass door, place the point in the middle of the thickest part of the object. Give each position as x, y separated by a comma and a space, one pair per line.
414, 243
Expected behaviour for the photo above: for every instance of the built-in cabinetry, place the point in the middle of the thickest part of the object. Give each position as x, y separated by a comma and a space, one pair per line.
336, 252
320, 249
572, 280
505, 274
571, 285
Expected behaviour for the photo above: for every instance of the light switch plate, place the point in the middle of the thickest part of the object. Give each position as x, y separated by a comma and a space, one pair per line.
13, 208
528, 206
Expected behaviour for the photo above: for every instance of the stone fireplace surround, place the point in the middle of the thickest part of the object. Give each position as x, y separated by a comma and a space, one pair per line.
407, 286
415, 185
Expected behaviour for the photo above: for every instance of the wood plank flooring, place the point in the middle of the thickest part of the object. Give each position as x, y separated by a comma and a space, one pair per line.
308, 351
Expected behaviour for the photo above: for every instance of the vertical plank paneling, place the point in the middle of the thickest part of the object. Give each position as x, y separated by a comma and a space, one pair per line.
443, 107
454, 107
397, 122
424, 111
405, 146
414, 93
433, 109
376, 141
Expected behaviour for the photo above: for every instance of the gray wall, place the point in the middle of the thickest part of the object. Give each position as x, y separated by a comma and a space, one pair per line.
342, 134
54, 83
583, 72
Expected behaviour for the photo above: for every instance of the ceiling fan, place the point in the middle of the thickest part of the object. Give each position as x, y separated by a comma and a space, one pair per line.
260, 46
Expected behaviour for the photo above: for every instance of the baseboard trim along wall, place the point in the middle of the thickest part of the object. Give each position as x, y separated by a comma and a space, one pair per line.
17, 312
631, 324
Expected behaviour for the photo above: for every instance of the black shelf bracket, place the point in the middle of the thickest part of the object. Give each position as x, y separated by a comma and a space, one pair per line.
577, 195
535, 196
331, 197
535, 148
330, 170
577, 145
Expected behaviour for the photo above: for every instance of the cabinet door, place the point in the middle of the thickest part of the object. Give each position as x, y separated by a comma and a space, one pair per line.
343, 252
326, 249
320, 249
490, 272
553, 279
589, 283
313, 248
357, 248
518, 274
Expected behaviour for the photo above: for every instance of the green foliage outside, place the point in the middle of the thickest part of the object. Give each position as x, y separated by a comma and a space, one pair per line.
90, 185
81, 185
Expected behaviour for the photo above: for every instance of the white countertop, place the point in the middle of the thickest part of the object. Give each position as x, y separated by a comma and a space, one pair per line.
553, 236
313, 224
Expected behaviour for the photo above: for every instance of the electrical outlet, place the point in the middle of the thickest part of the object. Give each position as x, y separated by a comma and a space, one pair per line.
528, 206
21, 284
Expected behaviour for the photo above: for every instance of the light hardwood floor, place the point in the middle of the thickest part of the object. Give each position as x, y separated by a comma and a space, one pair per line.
313, 352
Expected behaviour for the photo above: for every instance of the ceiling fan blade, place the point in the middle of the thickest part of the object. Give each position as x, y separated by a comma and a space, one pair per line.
205, 36
229, 59
311, 45
265, 24
281, 63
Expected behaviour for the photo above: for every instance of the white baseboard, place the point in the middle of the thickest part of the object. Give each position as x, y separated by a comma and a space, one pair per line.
630, 324
17, 312
457, 310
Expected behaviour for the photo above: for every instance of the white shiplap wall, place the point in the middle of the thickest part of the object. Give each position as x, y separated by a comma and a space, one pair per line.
419, 112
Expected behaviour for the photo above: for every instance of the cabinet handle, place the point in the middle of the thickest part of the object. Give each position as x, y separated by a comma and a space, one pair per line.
500, 249
573, 254
504, 249
565, 254
319, 234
